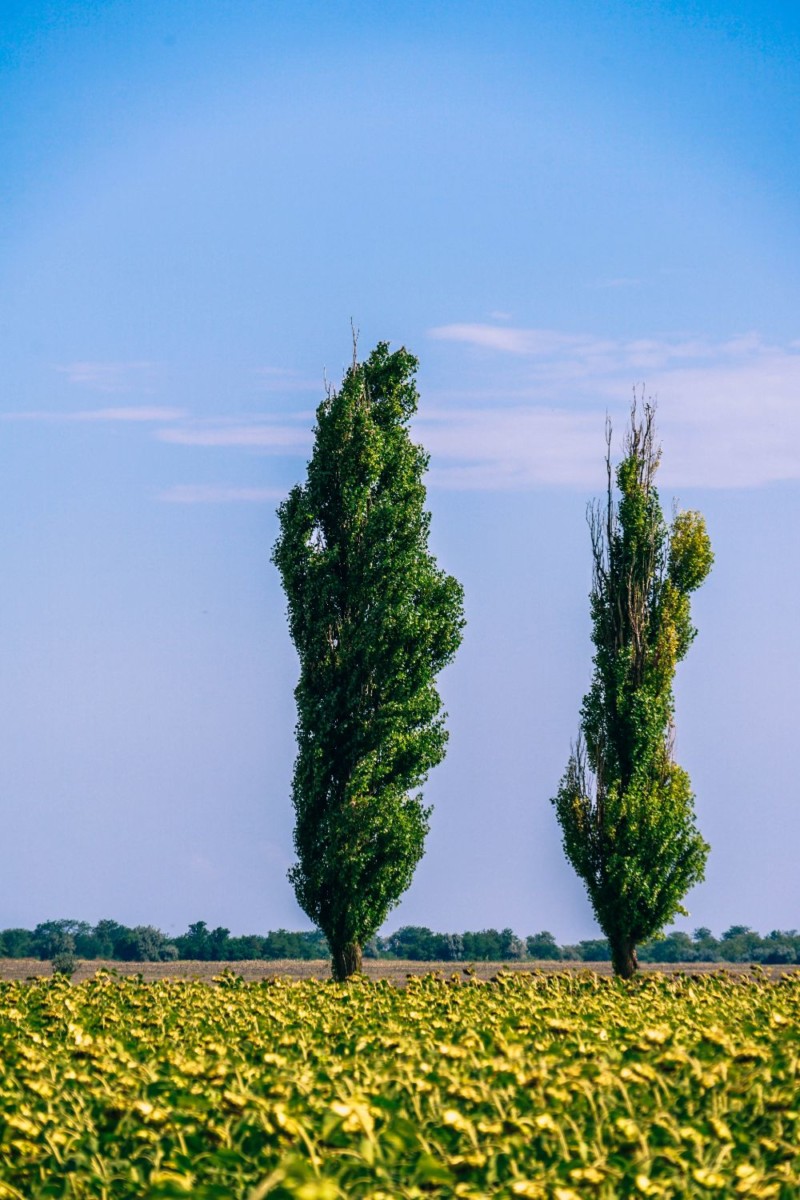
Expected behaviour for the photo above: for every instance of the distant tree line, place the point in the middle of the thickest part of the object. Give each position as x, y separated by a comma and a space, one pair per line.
145, 943
738, 944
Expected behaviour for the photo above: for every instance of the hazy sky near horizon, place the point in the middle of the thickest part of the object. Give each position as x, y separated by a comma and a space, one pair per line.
549, 204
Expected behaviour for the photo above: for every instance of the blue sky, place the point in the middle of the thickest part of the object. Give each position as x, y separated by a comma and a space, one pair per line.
549, 205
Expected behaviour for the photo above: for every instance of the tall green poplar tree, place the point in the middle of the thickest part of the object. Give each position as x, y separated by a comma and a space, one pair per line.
374, 620
625, 807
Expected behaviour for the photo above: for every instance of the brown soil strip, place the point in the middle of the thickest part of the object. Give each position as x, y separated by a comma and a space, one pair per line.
395, 971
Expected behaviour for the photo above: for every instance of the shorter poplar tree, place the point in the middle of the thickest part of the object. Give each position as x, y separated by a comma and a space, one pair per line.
625, 807
374, 620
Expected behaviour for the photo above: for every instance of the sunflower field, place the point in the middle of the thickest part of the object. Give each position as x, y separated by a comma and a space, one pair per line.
547, 1087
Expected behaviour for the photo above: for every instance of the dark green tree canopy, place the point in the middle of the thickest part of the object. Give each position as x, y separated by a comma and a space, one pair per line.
625, 807
374, 620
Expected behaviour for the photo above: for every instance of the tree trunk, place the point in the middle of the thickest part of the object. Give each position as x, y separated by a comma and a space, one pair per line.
345, 961
623, 957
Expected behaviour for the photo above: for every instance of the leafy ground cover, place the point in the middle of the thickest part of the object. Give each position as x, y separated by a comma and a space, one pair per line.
550, 1087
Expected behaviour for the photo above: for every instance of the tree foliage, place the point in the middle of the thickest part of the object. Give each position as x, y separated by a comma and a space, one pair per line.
374, 620
625, 807
739, 943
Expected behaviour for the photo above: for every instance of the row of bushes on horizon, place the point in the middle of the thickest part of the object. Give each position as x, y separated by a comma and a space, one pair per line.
145, 943
738, 944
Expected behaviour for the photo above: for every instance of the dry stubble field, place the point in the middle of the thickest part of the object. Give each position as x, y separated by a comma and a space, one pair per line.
396, 971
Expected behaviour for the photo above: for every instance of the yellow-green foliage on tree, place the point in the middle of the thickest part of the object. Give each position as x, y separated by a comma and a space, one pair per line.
374, 620
625, 807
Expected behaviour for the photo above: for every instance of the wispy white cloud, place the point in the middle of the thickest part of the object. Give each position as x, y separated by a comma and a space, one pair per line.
191, 493
513, 340
140, 414
143, 413
729, 411
280, 379
532, 409
281, 436
579, 354
511, 448
109, 376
